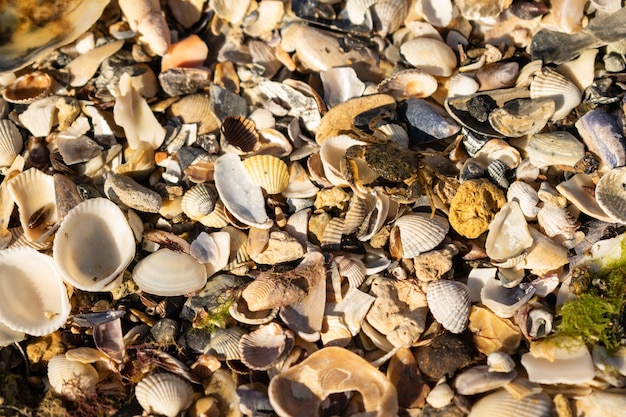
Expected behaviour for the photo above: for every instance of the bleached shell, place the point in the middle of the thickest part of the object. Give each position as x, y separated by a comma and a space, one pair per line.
269, 291
33, 298
479, 379
341, 84
40, 116
263, 347
11, 142
440, 396
611, 194
505, 302
417, 233
72, 379
450, 303
551, 84
408, 83
199, 201
508, 234
522, 116
239, 311
429, 55
389, 15
230, 11
557, 221
352, 269
268, 172
225, 342
164, 393
196, 108
358, 9
437, 12
580, 70
580, 191
331, 238
500, 362
93, 245
462, 84
553, 148
28, 88
267, 17
526, 196
238, 248
33, 191
560, 361
162, 272
601, 403
503, 404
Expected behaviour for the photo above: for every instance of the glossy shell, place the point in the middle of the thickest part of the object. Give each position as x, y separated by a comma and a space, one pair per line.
268, 172
450, 303
429, 55
164, 393
162, 272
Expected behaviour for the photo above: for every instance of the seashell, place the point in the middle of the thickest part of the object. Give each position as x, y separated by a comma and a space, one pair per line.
72, 379
557, 221
408, 83
580, 191
239, 311
551, 84
268, 172
268, 291
34, 299
199, 201
164, 393
500, 362
186, 12
232, 12
196, 108
331, 238
522, 116
526, 196
559, 361
610, 194
527, 73
240, 195
602, 134
536, 323
352, 269
83, 67
358, 10
479, 379
479, 9
437, 13
505, 301
497, 75
299, 185
496, 172
332, 154
461, 84
93, 245
28, 88
508, 234
552, 148
33, 192
389, 15
240, 133
239, 256
11, 142
415, 233
40, 116
264, 19
449, 302
581, 69
503, 404
159, 273
428, 118
225, 342
340, 85
189, 52
440, 396
263, 347
212, 250
568, 14
600, 402
429, 55
262, 119
217, 218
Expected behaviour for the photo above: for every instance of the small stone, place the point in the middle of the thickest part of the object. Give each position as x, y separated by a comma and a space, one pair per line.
226, 103
124, 190
473, 207
492, 333
164, 331
445, 355
481, 106
317, 224
450, 410
280, 248
433, 265
197, 339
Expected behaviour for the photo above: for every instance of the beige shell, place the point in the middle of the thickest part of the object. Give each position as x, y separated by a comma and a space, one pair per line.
438, 13
239, 311
551, 84
94, 244
196, 108
28, 88
331, 238
415, 233
199, 201
479, 379
217, 218
11, 142
611, 194
231, 11
238, 248
440, 396
164, 393
268, 15
40, 116
462, 84
522, 116
526, 196
500, 362
408, 83
263, 347
390, 15
508, 233
159, 273
352, 269
332, 155
268, 172
553, 148
503, 404
358, 10
225, 343
580, 191
268, 291
557, 221
449, 302
72, 379
299, 184
429, 55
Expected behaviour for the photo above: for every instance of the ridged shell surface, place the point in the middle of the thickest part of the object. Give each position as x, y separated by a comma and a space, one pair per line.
225, 342
196, 108
11, 142
450, 303
268, 172
554, 148
526, 196
199, 201
503, 404
261, 348
240, 133
269, 291
409, 83
72, 379
418, 233
551, 84
169, 273
28, 88
94, 244
440, 396
33, 298
611, 194
429, 55
164, 393
390, 14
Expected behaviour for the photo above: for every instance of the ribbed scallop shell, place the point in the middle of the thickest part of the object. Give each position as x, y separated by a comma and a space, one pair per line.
557, 221
352, 269
28, 88
551, 84
357, 10
225, 342
503, 404
217, 218
199, 201
429, 55
390, 15
268, 291
240, 133
263, 347
72, 379
440, 396
415, 233
357, 211
11, 142
611, 193
268, 172
162, 272
526, 196
500, 362
196, 108
331, 238
164, 393
450, 303
238, 248
408, 83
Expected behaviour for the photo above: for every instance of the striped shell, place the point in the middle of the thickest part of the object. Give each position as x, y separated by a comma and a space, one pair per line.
72, 379
503, 404
554, 148
217, 218
500, 362
352, 269
268, 172
263, 347
196, 108
268, 291
225, 342
28, 88
479, 379
164, 393
526, 196
551, 84
611, 194
331, 238
557, 221
390, 15
450, 303
440, 396
11, 142
409, 83
160, 273
415, 233
240, 133
199, 201
429, 55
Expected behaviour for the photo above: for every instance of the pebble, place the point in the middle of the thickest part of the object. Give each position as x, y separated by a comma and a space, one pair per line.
164, 331
124, 190
445, 355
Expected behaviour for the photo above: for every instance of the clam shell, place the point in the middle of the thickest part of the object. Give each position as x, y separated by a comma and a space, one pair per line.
450, 303
526, 196
503, 404
11, 142
553, 148
240, 133
33, 298
199, 201
352, 269
331, 238
225, 342
611, 194
500, 362
602, 133
159, 273
196, 108
479, 379
389, 15
440, 396
93, 245
408, 83
462, 84
415, 233
522, 116
164, 393
28, 88
263, 347
437, 12
72, 379
580, 191
551, 84
429, 55
239, 311
268, 172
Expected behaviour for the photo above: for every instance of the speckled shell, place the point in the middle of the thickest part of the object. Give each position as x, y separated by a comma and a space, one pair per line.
450, 303
409, 83
11, 142
161, 273
263, 347
611, 193
429, 55
199, 201
503, 404
415, 233
551, 84
164, 393
72, 379
268, 172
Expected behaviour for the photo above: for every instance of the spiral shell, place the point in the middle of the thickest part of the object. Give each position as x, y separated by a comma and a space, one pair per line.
450, 303
164, 393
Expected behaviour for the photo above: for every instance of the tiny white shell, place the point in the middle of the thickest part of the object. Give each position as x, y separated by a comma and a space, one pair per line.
440, 396
162, 272
164, 393
450, 303
72, 379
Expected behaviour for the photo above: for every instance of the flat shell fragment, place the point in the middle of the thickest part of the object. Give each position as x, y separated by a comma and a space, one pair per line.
522, 116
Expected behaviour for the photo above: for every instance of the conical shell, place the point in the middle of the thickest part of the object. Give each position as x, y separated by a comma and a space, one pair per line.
199, 201
611, 193
11, 142
164, 393
93, 245
503, 404
268, 172
450, 303
409, 83
415, 233
263, 347
551, 84
160, 273
72, 379
429, 55
33, 298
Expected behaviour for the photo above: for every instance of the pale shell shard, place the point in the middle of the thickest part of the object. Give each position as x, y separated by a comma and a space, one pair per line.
268, 172
417, 233
164, 393
72, 379
479, 379
340, 85
526, 196
28, 88
159, 273
429, 55
580, 191
462, 85
389, 15
505, 301
265, 19
503, 404
408, 83
40, 116
508, 233
84, 67
551, 84
357, 10
566, 361
11, 142
438, 13
610, 194
522, 116
600, 402
557, 221
449, 302
199, 201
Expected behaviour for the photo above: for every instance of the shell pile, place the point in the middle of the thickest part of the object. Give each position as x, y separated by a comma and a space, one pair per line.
314, 208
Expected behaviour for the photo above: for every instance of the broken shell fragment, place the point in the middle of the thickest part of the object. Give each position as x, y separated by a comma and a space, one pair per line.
563, 361
610, 194
602, 134
564, 93
522, 116
508, 233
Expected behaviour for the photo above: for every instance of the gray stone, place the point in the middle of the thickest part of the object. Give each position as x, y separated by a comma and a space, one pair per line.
164, 331
124, 190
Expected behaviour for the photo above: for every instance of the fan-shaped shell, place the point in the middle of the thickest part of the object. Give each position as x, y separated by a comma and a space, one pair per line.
261, 348
268, 172
503, 404
240, 133
526, 196
72, 379
33, 298
551, 84
11, 142
94, 244
225, 342
28, 88
430, 55
450, 303
440, 396
409, 83
196, 108
500, 362
462, 84
268, 291
611, 193
557, 221
164, 393
199, 201
169, 273
415, 233
390, 15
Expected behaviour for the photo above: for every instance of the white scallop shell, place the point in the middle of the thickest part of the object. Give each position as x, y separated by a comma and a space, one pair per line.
33, 298
268, 172
611, 193
551, 84
440, 396
500, 362
417, 233
526, 196
169, 273
199, 201
94, 244
11, 142
164, 393
357, 10
72, 379
390, 15
450, 303
503, 404
429, 55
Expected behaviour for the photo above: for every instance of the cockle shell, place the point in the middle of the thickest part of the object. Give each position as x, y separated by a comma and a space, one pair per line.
264, 20
610, 194
199, 201
169, 273
409, 83
263, 347
415, 233
28, 88
551, 84
33, 298
389, 15
526, 196
440, 396
580, 191
503, 404
225, 343
557, 221
500, 362
164, 393
268, 291
450, 303
429, 55
72, 379
11, 142
268, 172
93, 245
